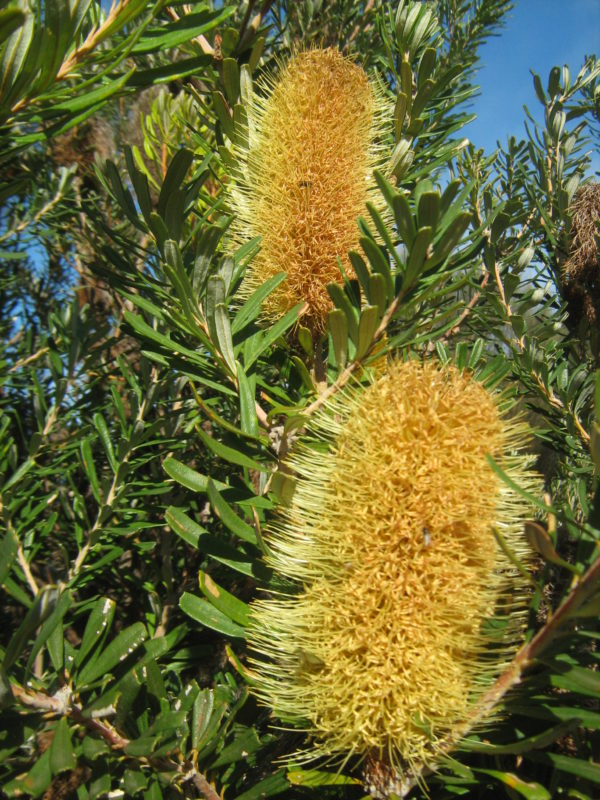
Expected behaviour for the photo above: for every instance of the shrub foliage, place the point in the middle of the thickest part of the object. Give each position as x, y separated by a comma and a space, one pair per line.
146, 404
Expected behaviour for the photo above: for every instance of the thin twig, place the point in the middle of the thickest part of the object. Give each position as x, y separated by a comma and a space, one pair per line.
470, 306
203, 786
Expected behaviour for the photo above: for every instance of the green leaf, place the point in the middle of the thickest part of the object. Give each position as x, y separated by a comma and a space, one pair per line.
341, 301
273, 333
586, 770
102, 429
183, 526
176, 172
251, 308
183, 30
49, 625
96, 627
428, 211
10, 20
418, 255
404, 219
316, 777
338, 327
228, 516
35, 783
221, 599
378, 262
223, 334
43, 606
223, 113
229, 454
125, 643
369, 319
62, 755
188, 477
243, 745
231, 79
8, 552
268, 787
206, 614
531, 791
90, 469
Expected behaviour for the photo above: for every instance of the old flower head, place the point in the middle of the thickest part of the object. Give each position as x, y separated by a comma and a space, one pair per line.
305, 174
386, 643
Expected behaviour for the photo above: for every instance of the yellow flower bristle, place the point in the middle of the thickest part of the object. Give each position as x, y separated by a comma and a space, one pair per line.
305, 176
386, 646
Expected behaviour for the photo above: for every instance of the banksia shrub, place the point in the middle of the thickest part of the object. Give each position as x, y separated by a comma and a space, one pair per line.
305, 176
409, 608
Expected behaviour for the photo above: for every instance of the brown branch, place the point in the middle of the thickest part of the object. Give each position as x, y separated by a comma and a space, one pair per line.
470, 306
204, 787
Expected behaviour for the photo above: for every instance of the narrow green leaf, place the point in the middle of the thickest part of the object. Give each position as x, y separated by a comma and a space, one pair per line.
377, 294
176, 172
8, 553
228, 516
229, 454
268, 787
231, 79
404, 219
49, 625
223, 114
338, 327
378, 262
184, 526
125, 643
206, 614
399, 114
341, 301
223, 333
317, 777
273, 333
42, 607
102, 429
188, 477
90, 469
248, 418
96, 627
223, 600
62, 754
530, 791
369, 319
360, 268
428, 210
417, 256
35, 783
251, 308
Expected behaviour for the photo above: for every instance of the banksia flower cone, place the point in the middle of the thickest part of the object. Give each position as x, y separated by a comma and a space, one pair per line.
305, 177
389, 639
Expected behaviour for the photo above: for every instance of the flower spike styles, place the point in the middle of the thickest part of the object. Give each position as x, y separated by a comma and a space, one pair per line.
304, 175
402, 607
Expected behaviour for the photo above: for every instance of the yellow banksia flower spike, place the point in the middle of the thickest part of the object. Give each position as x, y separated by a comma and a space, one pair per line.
402, 606
305, 175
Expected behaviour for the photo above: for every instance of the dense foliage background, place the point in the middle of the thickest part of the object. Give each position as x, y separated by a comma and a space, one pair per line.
144, 406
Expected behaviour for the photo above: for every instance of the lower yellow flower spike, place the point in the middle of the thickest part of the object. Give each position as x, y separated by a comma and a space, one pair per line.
407, 608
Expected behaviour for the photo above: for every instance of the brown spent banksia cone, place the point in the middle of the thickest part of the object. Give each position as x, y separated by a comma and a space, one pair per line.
403, 608
307, 172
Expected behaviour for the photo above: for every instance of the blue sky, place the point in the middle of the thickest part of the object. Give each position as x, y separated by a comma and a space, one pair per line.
538, 34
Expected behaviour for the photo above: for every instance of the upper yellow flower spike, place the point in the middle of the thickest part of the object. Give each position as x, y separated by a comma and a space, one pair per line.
306, 176
387, 647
